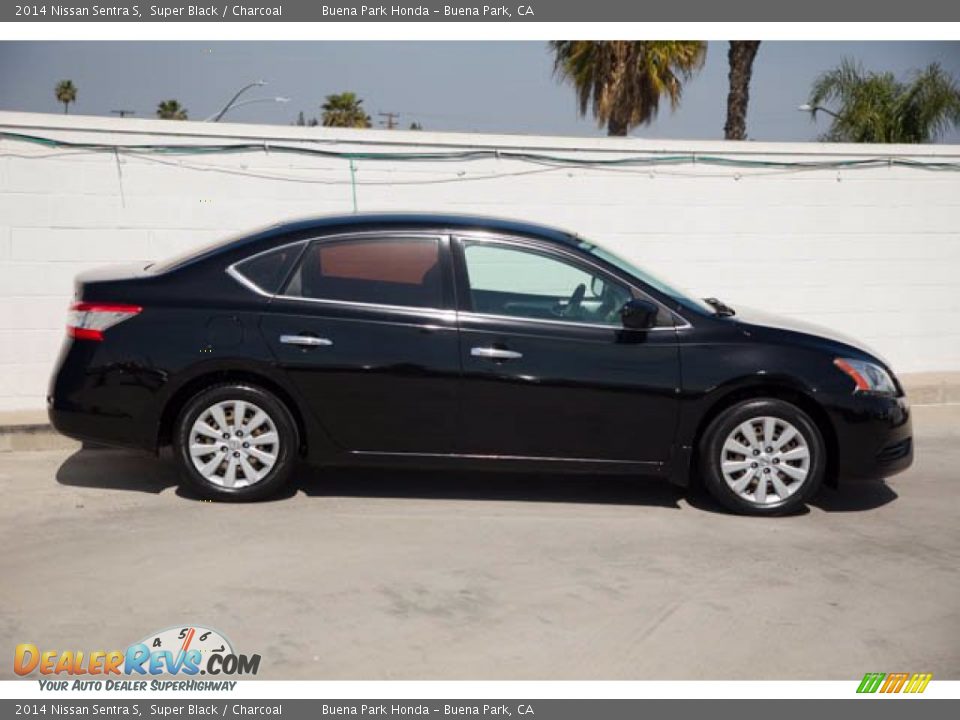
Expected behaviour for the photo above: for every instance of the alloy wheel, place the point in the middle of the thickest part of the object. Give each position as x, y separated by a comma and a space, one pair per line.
765, 460
234, 444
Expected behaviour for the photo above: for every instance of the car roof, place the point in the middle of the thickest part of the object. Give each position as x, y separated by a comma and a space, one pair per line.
449, 221
361, 221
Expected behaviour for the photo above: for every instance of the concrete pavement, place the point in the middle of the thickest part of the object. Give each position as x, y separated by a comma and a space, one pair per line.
389, 575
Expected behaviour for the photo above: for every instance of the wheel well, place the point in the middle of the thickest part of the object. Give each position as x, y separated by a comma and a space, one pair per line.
182, 396
802, 401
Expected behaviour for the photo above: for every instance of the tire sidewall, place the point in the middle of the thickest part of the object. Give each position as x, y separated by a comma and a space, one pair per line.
723, 425
278, 412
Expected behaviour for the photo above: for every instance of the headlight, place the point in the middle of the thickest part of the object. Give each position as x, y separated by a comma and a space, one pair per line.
869, 377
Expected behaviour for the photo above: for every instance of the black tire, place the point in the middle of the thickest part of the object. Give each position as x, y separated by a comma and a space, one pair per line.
711, 452
286, 454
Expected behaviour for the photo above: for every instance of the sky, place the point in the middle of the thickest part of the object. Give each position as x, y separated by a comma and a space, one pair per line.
483, 86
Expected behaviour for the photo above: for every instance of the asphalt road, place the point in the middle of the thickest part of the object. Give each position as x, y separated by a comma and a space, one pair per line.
378, 575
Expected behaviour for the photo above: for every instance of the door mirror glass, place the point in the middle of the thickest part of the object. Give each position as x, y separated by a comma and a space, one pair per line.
638, 314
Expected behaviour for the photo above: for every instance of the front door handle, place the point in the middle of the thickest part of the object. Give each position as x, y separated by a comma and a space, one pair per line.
492, 353
305, 340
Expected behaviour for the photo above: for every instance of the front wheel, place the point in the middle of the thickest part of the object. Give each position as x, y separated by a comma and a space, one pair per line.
762, 457
235, 442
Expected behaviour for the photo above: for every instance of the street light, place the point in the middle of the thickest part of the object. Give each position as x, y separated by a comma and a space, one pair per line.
253, 101
812, 109
216, 116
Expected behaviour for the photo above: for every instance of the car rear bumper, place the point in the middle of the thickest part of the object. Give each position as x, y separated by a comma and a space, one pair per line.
99, 402
874, 436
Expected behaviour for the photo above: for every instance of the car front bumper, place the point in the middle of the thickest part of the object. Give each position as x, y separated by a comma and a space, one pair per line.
874, 436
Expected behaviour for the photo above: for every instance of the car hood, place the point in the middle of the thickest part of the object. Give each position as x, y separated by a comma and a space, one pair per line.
748, 317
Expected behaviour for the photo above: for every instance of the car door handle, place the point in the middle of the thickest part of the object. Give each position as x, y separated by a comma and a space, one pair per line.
492, 353
305, 340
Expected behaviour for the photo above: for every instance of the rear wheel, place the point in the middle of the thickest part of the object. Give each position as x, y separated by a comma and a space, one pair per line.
762, 457
235, 442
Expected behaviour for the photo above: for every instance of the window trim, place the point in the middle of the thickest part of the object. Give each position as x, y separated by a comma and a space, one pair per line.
454, 264
545, 248
442, 238
234, 272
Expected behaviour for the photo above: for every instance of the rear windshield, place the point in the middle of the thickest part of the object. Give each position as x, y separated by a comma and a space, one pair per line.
195, 253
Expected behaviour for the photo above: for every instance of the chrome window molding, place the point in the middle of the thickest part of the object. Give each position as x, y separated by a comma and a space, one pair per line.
235, 273
564, 323
441, 313
408, 309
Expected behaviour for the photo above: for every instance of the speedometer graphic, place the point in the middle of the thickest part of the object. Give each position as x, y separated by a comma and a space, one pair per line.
182, 639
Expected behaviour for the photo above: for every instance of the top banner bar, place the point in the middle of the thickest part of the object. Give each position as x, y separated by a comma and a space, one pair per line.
511, 11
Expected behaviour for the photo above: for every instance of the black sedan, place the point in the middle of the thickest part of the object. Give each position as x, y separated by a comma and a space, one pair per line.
452, 341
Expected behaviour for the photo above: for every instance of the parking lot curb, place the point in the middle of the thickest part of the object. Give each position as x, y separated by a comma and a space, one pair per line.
32, 436
29, 429
932, 388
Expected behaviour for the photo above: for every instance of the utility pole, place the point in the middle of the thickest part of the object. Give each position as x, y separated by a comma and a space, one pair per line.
391, 119
123, 113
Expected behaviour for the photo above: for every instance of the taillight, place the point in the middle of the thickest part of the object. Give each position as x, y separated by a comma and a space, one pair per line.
88, 321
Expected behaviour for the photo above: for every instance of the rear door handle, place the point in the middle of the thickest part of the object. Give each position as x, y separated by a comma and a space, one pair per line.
305, 340
492, 353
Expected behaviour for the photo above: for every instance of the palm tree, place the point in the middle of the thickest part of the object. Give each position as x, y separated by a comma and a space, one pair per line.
344, 110
622, 81
740, 56
171, 110
878, 108
66, 93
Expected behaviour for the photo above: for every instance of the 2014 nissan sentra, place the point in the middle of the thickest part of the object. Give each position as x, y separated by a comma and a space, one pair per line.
451, 341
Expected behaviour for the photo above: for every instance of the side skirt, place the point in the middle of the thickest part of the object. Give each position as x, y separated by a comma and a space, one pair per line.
503, 463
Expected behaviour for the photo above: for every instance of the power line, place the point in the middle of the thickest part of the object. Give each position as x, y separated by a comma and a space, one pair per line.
647, 160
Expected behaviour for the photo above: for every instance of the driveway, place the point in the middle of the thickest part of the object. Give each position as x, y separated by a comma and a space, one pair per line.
396, 575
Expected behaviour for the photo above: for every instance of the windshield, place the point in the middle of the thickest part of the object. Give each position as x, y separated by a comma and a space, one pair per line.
656, 283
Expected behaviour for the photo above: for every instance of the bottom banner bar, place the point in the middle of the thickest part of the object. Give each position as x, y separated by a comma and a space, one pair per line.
527, 709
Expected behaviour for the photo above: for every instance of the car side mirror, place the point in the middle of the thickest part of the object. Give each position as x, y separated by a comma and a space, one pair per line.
638, 314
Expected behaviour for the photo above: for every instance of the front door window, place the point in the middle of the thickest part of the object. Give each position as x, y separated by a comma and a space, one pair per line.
519, 282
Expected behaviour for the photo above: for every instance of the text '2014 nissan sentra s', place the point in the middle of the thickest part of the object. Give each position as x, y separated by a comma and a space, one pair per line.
452, 341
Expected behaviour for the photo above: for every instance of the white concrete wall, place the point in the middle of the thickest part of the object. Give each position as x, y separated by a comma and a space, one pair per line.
874, 253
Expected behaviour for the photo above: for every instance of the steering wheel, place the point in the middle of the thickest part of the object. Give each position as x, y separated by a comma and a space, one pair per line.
573, 304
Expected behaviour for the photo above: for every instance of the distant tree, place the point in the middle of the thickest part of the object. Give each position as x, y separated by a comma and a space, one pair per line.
416, 126
344, 110
740, 56
303, 122
622, 81
171, 110
66, 93
878, 108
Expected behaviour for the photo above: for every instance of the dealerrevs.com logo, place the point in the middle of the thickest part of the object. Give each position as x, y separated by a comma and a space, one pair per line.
190, 651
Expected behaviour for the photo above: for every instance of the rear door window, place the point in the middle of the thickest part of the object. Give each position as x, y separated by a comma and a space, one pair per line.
394, 270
